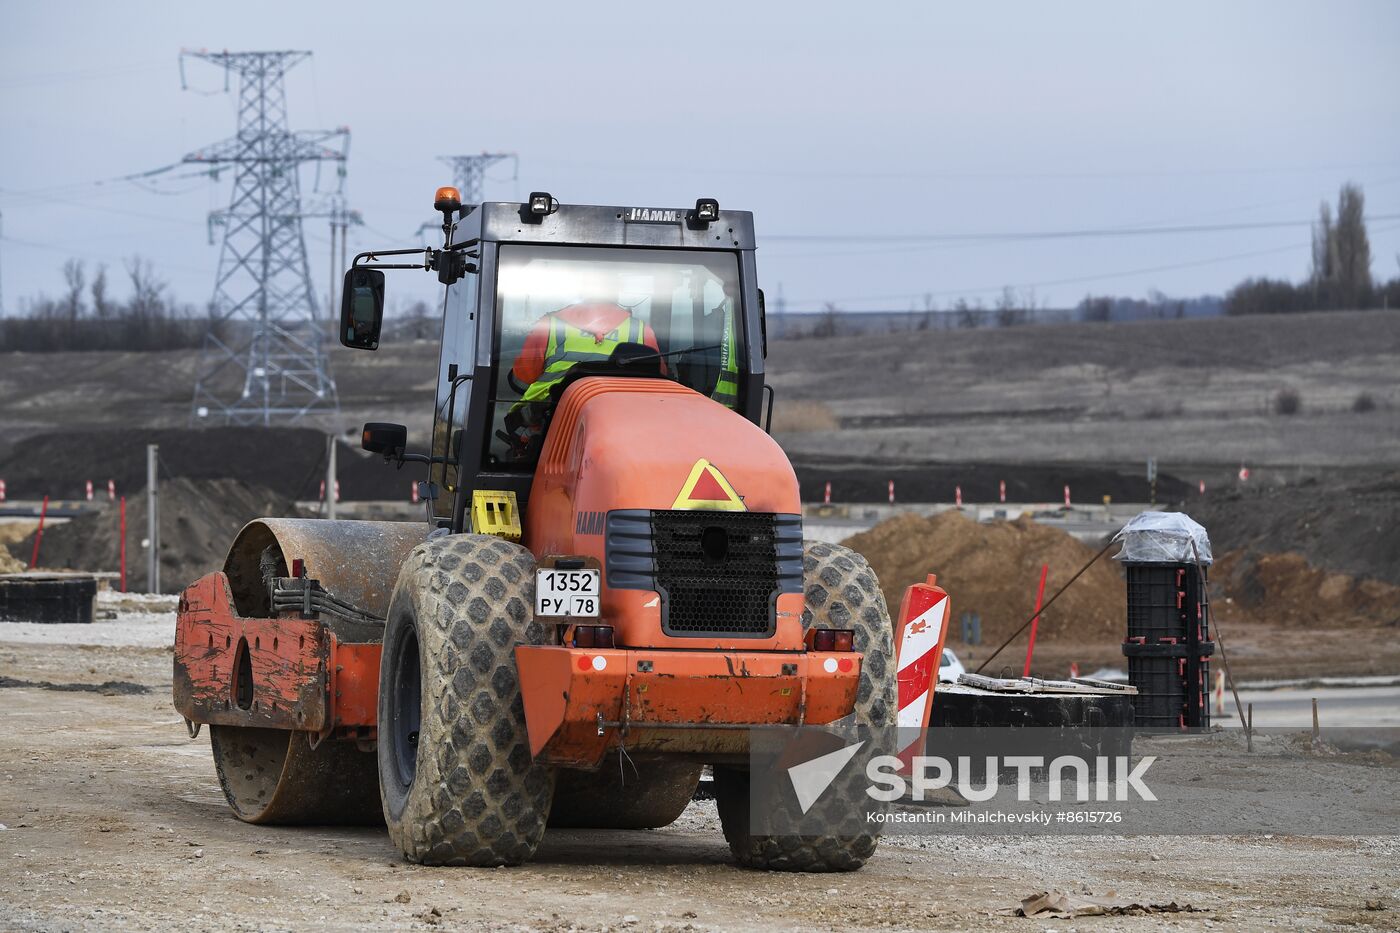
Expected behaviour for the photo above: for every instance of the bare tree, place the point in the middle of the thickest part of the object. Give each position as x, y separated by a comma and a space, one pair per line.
828, 324
102, 306
1341, 253
1009, 309
1322, 234
419, 324
1352, 248
74, 282
147, 292
1096, 309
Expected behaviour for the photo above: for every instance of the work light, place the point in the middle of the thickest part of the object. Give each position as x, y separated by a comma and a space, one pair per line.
541, 203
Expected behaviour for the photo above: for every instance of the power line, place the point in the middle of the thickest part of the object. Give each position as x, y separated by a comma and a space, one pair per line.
711, 170
85, 74
1076, 280
1014, 236
84, 253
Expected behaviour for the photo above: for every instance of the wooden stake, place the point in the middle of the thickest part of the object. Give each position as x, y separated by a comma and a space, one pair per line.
39, 535
1035, 620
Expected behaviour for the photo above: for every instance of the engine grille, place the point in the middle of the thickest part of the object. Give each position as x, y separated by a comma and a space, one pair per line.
718, 573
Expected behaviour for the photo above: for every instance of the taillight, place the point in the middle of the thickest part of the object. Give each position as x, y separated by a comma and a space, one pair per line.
593, 636
830, 639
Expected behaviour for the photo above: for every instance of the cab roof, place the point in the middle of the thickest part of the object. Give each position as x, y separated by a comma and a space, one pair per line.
597, 225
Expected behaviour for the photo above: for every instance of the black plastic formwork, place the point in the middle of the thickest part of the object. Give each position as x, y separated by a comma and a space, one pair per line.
1168, 645
50, 598
967, 721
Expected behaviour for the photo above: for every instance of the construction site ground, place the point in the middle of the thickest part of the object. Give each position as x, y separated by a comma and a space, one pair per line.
113, 819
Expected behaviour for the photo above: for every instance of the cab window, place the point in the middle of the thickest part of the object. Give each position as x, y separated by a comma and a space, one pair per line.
558, 306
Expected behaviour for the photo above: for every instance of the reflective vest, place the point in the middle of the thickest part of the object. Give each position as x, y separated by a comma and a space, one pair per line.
727, 388
569, 345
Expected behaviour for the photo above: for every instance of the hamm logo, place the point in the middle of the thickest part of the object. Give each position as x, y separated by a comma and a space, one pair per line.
589, 523
651, 215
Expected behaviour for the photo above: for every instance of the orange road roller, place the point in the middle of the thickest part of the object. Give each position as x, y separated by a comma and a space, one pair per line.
609, 589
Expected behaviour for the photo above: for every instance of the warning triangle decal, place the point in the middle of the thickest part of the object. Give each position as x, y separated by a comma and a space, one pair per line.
707, 489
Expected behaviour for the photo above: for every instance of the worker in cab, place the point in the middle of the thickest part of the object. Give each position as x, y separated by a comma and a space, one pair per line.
584, 332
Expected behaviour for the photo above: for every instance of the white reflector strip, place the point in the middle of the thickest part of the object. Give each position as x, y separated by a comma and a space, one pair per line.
921, 634
913, 714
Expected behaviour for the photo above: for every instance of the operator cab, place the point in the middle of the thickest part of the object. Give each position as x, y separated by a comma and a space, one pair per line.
554, 293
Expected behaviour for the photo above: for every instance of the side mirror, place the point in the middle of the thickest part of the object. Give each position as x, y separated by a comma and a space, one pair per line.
381, 437
362, 308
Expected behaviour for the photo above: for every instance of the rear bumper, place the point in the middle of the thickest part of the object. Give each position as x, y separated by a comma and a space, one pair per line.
581, 703
299, 675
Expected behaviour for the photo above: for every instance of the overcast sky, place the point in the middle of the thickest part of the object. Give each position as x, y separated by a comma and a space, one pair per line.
859, 120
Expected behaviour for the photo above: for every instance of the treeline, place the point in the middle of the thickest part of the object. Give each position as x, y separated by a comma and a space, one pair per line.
1340, 278
1157, 306
86, 316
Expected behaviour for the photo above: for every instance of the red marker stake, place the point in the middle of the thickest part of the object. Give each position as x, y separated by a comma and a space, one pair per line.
1035, 622
122, 546
39, 535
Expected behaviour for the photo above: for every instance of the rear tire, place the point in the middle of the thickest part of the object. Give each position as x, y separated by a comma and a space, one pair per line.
457, 781
841, 592
649, 796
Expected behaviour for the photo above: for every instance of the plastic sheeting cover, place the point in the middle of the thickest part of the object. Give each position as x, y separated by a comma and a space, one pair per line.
1163, 537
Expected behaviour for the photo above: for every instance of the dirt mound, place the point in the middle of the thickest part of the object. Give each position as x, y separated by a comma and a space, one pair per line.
1336, 524
289, 461
993, 569
1286, 589
11, 564
198, 521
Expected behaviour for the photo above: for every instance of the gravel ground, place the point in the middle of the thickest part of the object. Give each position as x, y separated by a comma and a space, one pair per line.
114, 820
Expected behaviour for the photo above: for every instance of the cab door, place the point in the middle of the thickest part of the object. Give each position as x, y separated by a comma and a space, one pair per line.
453, 397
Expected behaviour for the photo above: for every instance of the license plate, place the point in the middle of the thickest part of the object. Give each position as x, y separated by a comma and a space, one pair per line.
567, 593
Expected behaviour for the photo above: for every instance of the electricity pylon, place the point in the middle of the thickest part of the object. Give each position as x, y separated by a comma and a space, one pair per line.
468, 177
264, 358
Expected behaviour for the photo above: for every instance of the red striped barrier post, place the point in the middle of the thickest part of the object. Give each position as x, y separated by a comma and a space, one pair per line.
122, 545
826, 495
87, 490
1035, 620
923, 626
2, 490
39, 535
891, 492
1073, 669
1001, 490
1066, 495
111, 490
413, 492
957, 496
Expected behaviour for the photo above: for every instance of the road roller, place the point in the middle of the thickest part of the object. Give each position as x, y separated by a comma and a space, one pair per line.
609, 589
